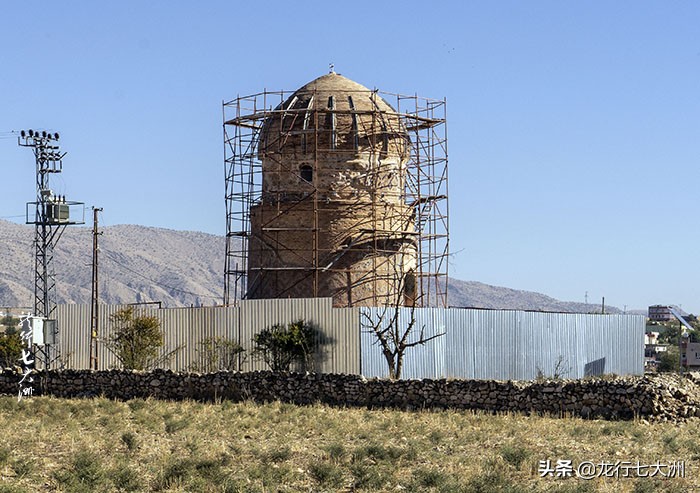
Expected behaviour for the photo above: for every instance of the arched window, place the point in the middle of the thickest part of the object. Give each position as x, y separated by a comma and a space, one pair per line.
306, 173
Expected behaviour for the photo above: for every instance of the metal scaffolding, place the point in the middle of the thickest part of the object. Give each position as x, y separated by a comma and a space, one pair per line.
420, 214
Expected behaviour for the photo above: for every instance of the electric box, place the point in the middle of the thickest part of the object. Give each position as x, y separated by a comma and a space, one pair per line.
43, 331
37, 326
58, 213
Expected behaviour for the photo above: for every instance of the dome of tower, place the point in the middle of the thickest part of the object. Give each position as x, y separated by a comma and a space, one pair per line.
333, 113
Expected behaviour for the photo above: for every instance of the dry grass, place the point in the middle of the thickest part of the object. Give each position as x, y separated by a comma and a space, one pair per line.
51, 444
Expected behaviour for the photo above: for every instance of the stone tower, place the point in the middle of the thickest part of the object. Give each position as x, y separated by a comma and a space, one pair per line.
332, 218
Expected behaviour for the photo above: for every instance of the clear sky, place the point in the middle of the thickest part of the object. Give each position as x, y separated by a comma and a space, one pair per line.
573, 127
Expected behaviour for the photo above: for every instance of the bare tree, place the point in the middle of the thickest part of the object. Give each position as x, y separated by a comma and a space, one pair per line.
393, 333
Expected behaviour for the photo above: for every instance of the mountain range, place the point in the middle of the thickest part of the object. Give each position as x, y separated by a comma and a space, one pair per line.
179, 268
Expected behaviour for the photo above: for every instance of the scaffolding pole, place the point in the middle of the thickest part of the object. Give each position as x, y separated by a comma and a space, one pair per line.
422, 210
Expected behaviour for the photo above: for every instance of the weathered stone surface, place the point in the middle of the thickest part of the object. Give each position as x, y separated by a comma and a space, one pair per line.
667, 397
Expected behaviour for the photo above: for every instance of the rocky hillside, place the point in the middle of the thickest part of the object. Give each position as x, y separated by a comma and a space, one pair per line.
472, 294
178, 268
137, 264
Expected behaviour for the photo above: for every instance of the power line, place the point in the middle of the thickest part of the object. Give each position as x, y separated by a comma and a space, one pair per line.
106, 224
157, 283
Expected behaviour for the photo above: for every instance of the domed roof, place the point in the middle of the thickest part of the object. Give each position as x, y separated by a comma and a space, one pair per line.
332, 112
333, 84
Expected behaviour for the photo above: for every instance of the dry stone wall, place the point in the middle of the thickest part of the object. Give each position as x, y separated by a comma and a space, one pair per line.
664, 397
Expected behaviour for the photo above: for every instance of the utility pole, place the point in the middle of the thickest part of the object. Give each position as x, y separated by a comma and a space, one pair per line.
51, 216
94, 308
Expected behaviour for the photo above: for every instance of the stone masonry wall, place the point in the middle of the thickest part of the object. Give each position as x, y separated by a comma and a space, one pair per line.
662, 397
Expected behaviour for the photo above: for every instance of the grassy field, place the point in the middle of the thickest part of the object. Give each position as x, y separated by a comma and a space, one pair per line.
50, 444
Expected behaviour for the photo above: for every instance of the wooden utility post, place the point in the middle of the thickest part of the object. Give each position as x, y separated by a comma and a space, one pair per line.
94, 308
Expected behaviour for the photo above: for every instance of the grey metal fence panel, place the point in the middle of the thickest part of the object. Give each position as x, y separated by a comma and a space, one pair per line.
427, 360
628, 356
483, 344
423, 360
338, 330
372, 360
186, 328
511, 345
551, 345
477, 343
594, 357
74, 326
493, 334
461, 339
74, 334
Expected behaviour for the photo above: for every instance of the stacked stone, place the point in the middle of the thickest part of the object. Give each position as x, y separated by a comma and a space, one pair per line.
658, 397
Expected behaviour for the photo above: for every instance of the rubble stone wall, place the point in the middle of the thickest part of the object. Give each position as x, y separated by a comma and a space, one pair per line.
658, 396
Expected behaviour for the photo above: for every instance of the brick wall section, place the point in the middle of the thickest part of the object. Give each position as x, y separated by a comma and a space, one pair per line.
664, 397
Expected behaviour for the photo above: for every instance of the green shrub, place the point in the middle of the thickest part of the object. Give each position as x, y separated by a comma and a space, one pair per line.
326, 474
669, 360
10, 323
219, 353
379, 452
514, 455
126, 478
279, 455
336, 452
429, 478
22, 467
5, 454
173, 425
280, 346
135, 340
366, 477
85, 473
130, 440
10, 350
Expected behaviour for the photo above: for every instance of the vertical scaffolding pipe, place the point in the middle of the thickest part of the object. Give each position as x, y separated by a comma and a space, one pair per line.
425, 190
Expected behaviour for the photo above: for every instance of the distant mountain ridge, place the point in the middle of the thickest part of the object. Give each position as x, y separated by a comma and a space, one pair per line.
473, 294
179, 268
136, 264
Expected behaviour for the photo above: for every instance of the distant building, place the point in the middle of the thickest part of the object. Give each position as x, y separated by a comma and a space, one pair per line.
690, 354
660, 313
651, 338
652, 348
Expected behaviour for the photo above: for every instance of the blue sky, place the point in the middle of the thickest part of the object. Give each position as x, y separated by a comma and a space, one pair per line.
573, 127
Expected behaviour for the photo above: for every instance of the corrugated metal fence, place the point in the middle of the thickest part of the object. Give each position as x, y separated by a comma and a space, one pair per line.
483, 344
509, 345
186, 328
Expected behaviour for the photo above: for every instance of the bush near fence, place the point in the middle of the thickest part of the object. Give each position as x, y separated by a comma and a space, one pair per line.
477, 344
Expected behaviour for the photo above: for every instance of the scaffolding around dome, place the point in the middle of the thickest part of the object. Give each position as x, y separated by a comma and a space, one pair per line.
335, 190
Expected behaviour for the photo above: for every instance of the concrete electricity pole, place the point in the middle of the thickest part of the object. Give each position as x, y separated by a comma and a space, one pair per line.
94, 307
